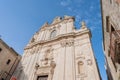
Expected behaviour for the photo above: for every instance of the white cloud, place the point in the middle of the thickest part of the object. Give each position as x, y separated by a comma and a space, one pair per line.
70, 9
65, 3
77, 18
74, 7
79, 1
91, 8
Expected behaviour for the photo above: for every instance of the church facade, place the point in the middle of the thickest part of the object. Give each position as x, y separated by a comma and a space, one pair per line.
59, 52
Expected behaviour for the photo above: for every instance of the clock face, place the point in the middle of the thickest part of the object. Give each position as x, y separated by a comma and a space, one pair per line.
53, 34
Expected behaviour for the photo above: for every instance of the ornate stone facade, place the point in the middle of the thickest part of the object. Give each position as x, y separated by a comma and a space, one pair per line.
59, 52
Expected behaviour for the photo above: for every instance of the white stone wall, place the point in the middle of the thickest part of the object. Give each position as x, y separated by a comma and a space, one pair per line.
65, 50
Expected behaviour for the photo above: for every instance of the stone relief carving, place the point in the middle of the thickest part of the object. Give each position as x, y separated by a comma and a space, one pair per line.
36, 66
47, 56
58, 26
45, 70
80, 56
48, 53
89, 62
47, 65
68, 43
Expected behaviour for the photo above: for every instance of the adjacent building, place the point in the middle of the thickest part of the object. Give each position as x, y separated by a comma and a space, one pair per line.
8, 61
110, 10
59, 52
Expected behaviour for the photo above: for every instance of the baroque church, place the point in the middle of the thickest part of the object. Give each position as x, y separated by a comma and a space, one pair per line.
58, 51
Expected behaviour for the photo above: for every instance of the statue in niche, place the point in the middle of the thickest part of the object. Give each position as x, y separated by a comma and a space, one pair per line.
48, 56
36, 66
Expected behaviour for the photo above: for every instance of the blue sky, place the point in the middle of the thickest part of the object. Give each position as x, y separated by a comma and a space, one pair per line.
20, 19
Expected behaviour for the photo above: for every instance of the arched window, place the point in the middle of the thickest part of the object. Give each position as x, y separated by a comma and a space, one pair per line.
80, 67
53, 34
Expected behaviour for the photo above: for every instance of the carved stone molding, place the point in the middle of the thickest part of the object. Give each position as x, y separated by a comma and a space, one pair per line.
48, 53
89, 62
63, 43
45, 70
80, 57
60, 37
66, 43
81, 76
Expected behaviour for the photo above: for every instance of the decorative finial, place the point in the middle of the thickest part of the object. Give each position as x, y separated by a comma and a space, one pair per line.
83, 24
56, 20
46, 24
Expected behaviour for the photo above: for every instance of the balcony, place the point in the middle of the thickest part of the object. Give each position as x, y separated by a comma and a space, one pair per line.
115, 46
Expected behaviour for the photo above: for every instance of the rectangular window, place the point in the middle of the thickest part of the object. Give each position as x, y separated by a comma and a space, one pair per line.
0, 49
44, 77
107, 23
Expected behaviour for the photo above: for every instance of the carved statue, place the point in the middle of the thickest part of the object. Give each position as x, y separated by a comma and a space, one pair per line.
83, 25
36, 66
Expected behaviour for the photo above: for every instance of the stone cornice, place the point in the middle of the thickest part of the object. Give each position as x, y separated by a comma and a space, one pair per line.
60, 37
54, 24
